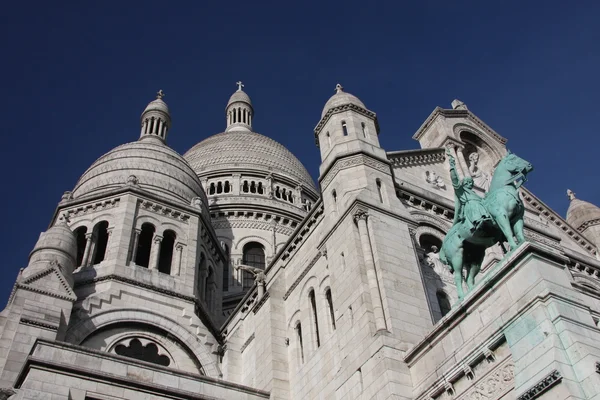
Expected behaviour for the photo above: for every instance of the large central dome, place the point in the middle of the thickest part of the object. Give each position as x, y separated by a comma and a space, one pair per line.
245, 150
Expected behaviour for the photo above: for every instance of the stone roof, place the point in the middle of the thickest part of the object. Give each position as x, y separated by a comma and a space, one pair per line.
341, 98
157, 105
239, 95
233, 150
156, 167
580, 212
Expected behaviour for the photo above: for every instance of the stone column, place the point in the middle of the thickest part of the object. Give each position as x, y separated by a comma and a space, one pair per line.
462, 162
155, 251
136, 240
269, 187
236, 184
86, 252
360, 217
177, 256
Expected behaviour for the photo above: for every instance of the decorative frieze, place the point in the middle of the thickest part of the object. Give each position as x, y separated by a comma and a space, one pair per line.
418, 157
89, 208
492, 386
247, 342
542, 386
164, 210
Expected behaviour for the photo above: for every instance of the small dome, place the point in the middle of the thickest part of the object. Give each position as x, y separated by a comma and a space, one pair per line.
239, 95
150, 165
157, 105
580, 211
56, 244
246, 150
340, 98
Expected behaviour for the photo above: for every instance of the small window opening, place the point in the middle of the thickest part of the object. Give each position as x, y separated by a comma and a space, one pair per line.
165, 257
219, 187
226, 268
245, 187
378, 182
300, 345
330, 306
253, 187
212, 188
313, 305
142, 256
364, 129
328, 139
101, 235
344, 128
260, 189
81, 243
226, 187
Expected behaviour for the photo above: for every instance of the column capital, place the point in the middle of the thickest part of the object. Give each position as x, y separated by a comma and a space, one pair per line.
359, 215
157, 238
137, 231
89, 235
179, 246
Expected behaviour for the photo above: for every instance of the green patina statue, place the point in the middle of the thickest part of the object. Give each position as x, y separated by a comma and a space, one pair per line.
479, 222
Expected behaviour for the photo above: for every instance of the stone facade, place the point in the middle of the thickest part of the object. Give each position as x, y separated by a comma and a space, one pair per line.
140, 288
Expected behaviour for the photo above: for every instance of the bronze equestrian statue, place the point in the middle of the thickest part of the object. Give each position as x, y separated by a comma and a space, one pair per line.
479, 222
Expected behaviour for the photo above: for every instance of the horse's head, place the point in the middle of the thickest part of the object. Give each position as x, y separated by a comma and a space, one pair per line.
515, 164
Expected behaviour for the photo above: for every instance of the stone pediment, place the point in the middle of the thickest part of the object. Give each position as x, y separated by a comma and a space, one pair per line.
50, 282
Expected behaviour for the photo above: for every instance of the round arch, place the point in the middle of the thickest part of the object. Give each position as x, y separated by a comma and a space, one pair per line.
83, 329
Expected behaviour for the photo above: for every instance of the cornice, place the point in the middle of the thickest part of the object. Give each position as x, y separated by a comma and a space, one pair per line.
304, 272
417, 157
342, 108
548, 381
352, 160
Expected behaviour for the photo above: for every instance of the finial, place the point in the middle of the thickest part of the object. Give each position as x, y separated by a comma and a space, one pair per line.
339, 88
160, 94
570, 194
240, 85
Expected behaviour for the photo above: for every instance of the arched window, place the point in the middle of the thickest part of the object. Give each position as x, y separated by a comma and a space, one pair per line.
101, 241
313, 307
209, 288
379, 190
334, 196
260, 188
239, 114
166, 252
152, 125
252, 187
330, 306
212, 188
344, 128
219, 187
226, 187
253, 256
142, 255
201, 274
226, 268
148, 353
81, 242
364, 129
443, 302
299, 338
245, 187
328, 139
277, 192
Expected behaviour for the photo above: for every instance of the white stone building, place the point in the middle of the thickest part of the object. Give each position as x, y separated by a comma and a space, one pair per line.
226, 274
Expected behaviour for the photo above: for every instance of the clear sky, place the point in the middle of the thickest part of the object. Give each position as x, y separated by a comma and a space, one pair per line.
76, 76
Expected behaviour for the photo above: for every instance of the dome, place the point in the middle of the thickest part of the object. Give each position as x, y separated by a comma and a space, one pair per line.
155, 168
56, 244
246, 150
239, 95
157, 105
580, 211
341, 98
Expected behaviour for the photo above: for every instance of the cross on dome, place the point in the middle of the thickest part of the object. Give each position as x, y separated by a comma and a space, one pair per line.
570, 194
240, 85
160, 94
339, 88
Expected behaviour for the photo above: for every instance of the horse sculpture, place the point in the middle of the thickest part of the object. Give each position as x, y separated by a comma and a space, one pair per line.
480, 223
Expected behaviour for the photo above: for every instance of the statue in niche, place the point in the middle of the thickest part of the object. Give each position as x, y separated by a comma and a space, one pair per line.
435, 180
480, 178
433, 260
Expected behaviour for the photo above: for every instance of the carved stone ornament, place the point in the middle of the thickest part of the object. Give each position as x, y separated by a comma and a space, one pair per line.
360, 215
6, 393
542, 386
492, 386
197, 202
133, 180
68, 195
434, 180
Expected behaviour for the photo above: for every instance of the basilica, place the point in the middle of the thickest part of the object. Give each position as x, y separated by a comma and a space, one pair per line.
228, 273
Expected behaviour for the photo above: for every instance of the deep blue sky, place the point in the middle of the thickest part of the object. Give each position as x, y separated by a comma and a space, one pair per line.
75, 78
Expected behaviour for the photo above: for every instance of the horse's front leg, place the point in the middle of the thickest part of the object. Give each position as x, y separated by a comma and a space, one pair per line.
518, 228
504, 224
